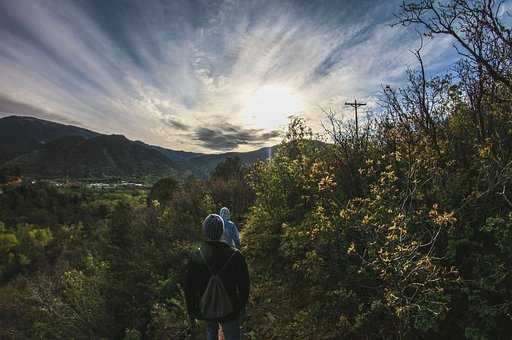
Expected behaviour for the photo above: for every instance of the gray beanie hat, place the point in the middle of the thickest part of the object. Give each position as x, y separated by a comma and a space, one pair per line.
213, 227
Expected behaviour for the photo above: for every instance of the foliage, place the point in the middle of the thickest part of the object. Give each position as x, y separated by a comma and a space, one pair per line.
399, 230
229, 168
99, 264
25, 247
163, 190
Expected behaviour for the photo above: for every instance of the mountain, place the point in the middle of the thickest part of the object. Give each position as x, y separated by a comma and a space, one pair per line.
19, 135
41, 148
204, 164
100, 156
201, 164
176, 156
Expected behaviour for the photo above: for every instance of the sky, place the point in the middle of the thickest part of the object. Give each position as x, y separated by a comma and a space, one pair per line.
202, 75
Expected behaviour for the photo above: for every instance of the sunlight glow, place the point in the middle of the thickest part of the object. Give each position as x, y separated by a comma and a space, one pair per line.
270, 106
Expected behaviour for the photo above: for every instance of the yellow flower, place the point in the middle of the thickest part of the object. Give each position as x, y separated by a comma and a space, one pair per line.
351, 248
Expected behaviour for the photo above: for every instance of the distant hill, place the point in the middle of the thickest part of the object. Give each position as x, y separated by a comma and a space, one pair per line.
203, 165
173, 155
41, 148
100, 156
19, 135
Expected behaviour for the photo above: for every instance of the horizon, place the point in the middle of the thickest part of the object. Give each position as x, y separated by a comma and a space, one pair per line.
206, 77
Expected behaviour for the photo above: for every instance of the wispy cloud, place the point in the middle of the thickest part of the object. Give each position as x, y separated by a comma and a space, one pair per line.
8, 106
175, 123
167, 72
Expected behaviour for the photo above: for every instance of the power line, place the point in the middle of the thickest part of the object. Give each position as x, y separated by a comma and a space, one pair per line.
355, 105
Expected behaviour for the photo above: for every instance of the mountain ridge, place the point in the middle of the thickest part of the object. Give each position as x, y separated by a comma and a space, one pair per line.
42, 148
21, 134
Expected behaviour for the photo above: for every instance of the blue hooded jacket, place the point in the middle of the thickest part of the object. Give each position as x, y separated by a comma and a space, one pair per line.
231, 235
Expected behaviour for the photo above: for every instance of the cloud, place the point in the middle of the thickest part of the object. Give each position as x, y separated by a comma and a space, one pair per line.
176, 124
160, 71
228, 137
10, 107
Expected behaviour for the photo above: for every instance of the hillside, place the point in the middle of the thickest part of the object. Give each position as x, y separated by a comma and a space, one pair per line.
42, 148
201, 164
101, 156
19, 135
204, 164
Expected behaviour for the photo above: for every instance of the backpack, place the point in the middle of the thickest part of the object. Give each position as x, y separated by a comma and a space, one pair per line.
215, 302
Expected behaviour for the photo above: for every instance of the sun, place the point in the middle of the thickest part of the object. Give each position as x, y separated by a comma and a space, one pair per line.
270, 106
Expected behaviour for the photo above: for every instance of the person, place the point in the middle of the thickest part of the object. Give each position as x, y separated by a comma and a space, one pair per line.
229, 264
231, 235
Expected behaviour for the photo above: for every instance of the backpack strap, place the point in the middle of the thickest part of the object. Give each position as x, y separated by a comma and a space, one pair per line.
223, 267
227, 262
205, 262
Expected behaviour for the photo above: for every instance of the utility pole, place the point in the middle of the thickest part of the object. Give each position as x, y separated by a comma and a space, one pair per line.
355, 105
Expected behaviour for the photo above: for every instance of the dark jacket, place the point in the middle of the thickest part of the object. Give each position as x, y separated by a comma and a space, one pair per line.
235, 277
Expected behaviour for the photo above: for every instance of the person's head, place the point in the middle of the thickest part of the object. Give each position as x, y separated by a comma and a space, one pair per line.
225, 214
213, 227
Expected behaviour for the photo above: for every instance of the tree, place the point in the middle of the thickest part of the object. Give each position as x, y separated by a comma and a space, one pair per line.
481, 36
229, 168
163, 190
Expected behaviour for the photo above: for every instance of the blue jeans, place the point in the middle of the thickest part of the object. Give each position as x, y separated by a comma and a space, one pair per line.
231, 330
